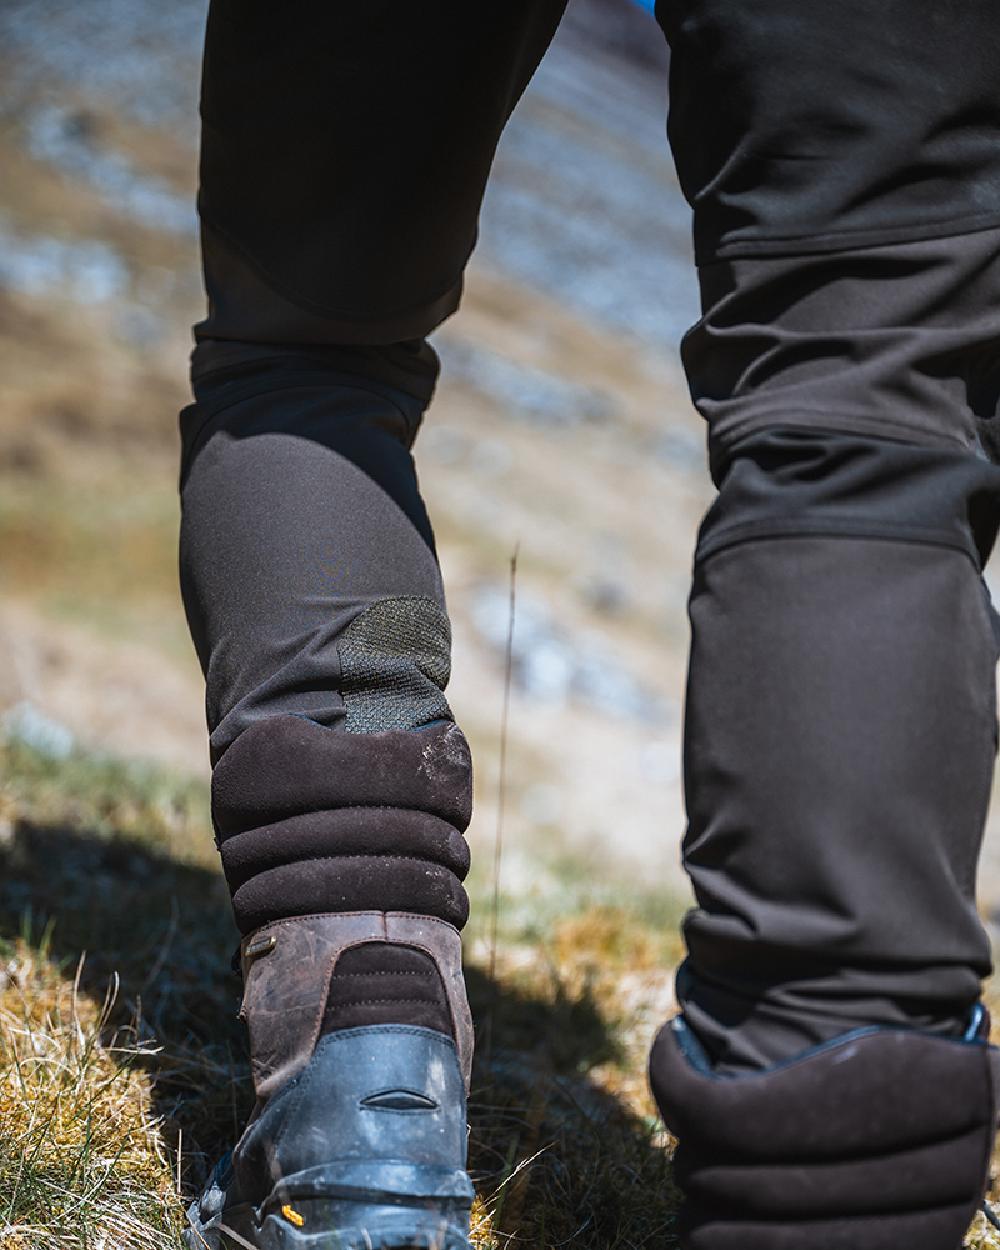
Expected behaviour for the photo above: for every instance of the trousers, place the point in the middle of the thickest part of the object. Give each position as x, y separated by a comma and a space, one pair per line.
842, 164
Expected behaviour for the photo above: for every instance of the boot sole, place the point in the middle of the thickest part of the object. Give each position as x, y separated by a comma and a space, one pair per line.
383, 1228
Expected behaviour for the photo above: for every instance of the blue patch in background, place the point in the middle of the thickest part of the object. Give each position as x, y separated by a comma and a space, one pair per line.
648, 5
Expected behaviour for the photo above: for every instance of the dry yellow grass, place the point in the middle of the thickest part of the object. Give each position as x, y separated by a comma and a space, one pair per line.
113, 1105
122, 1074
81, 1156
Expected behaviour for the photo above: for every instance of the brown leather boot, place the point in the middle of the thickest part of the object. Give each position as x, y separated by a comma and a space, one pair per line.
358, 1138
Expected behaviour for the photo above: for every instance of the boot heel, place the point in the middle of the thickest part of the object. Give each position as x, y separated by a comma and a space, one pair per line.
363, 1150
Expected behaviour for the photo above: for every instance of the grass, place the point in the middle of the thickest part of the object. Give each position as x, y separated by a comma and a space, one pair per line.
122, 1068
97, 545
82, 1161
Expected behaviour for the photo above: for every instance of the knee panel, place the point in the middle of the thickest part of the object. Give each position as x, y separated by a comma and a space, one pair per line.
395, 661
839, 743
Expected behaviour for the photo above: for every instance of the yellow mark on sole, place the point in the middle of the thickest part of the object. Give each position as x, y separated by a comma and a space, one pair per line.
291, 1215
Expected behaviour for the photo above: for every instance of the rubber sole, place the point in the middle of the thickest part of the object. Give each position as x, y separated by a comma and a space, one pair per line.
297, 1217
381, 1229
240, 1230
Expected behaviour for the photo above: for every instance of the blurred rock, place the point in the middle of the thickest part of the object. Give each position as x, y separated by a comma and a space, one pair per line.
26, 724
140, 326
84, 270
553, 664
604, 594
582, 204
681, 448
139, 56
527, 393
622, 30
68, 140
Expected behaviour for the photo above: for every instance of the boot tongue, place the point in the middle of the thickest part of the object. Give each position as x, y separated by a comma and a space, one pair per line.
386, 983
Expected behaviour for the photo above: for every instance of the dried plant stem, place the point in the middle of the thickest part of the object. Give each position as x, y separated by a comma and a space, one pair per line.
502, 782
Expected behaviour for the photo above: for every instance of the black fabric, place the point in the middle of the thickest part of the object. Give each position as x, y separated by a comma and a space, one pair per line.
898, 341
795, 128
385, 983
801, 127
335, 133
410, 366
300, 509
876, 1140
842, 162
839, 744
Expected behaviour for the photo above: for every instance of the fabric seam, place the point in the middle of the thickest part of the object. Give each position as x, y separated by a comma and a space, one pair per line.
862, 239
230, 400
329, 312
753, 531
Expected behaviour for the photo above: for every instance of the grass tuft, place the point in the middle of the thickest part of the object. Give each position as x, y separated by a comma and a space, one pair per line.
82, 1161
114, 1102
122, 1066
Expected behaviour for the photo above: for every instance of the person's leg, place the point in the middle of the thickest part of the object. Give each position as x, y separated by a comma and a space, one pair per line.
840, 731
345, 151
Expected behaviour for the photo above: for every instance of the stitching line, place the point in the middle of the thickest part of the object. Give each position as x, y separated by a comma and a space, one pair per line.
384, 972
368, 1002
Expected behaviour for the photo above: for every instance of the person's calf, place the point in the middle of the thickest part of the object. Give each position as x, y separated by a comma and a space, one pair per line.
341, 791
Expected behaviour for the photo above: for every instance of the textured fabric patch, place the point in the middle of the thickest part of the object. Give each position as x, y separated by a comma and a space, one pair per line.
395, 661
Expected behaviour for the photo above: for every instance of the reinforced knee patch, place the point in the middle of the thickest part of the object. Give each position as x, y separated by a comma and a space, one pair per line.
395, 661
311, 819
876, 1140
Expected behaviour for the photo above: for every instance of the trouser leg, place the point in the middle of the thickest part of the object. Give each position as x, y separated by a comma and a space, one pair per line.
839, 745
344, 154
345, 148
840, 725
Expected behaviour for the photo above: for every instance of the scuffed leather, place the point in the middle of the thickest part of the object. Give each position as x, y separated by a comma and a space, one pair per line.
286, 988
287, 766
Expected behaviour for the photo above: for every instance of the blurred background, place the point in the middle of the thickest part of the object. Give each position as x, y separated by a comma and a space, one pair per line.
562, 426
562, 429
562, 423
